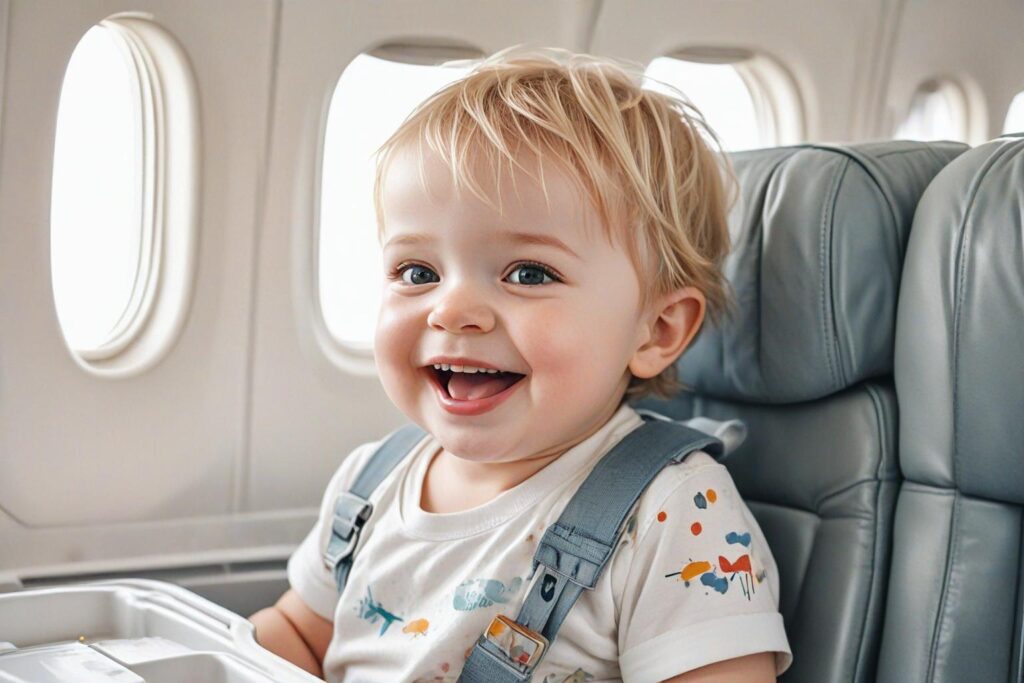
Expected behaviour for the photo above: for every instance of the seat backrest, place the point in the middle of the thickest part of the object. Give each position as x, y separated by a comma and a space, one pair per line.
957, 584
806, 362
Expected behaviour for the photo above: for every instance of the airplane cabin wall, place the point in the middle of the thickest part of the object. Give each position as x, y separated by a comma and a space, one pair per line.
220, 452
977, 45
92, 467
834, 52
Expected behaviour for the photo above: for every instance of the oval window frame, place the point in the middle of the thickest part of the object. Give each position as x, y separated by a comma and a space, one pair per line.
158, 304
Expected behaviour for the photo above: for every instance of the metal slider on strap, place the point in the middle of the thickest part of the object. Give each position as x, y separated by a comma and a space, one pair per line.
519, 644
350, 514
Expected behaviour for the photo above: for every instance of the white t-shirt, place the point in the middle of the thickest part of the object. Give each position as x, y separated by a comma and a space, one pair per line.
424, 586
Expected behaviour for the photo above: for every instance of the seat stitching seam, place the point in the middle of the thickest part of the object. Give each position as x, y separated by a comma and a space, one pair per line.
960, 292
875, 576
880, 413
827, 217
762, 200
925, 489
1017, 663
828, 497
935, 155
941, 613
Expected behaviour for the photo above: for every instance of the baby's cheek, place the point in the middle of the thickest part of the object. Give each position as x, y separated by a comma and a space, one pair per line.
564, 350
386, 339
393, 347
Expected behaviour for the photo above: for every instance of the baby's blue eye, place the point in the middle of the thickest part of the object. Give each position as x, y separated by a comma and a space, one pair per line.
524, 274
527, 274
419, 275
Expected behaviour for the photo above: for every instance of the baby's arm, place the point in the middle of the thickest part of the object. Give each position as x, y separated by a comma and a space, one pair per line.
292, 630
758, 668
699, 572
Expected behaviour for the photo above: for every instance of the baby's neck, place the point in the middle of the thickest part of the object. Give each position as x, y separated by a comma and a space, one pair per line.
453, 484
450, 486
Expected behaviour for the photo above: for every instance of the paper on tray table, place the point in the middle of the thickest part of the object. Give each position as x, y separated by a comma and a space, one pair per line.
62, 663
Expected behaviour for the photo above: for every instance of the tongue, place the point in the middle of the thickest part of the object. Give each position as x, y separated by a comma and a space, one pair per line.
464, 386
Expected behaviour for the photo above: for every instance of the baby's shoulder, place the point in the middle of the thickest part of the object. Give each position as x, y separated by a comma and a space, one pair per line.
344, 475
696, 467
683, 491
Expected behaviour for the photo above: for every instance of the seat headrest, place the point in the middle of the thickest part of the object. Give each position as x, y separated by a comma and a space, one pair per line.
960, 328
818, 237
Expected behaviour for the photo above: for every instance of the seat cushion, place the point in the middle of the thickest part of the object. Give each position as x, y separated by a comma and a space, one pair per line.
818, 240
955, 608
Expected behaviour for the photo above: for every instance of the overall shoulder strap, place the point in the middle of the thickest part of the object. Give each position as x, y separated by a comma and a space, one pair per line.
574, 550
352, 508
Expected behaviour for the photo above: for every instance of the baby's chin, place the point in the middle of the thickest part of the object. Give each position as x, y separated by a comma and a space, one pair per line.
478, 444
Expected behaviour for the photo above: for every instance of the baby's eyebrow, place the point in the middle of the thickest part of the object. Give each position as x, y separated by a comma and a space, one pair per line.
538, 238
506, 235
413, 239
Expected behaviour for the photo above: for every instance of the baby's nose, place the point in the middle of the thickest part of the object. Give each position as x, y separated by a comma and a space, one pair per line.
461, 311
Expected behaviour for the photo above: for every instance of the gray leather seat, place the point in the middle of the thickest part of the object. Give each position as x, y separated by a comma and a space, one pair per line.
956, 596
806, 362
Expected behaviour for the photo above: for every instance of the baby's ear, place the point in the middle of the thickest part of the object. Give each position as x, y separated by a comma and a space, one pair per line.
671, 323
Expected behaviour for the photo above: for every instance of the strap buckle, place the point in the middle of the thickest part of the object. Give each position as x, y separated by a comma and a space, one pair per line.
521, 645
350, 515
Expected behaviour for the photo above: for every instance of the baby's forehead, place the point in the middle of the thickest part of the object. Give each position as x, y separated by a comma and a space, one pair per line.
532, 193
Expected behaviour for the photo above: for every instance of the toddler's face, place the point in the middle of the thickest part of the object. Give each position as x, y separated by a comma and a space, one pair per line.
537, 293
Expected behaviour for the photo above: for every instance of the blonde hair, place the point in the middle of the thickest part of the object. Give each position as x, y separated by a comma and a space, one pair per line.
649, 162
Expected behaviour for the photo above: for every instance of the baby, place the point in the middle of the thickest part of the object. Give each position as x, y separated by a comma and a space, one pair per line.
552, 238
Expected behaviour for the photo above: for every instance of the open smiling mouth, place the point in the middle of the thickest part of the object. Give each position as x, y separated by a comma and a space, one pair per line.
469, 386
471, 393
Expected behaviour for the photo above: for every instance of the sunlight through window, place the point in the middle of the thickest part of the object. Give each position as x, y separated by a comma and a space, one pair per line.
720, 94
1015, 115
938, 111
96, 224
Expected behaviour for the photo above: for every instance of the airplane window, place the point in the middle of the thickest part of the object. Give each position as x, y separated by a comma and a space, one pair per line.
721, 95
1015, 115
938, 111
96, 204
372, 98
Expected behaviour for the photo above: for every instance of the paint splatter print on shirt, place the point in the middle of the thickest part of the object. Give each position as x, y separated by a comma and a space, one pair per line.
371, 611
718, 577
476, 593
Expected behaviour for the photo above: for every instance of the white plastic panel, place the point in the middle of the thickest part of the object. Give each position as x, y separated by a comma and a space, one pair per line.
145, 467
129, 632
977, 46
828, 50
